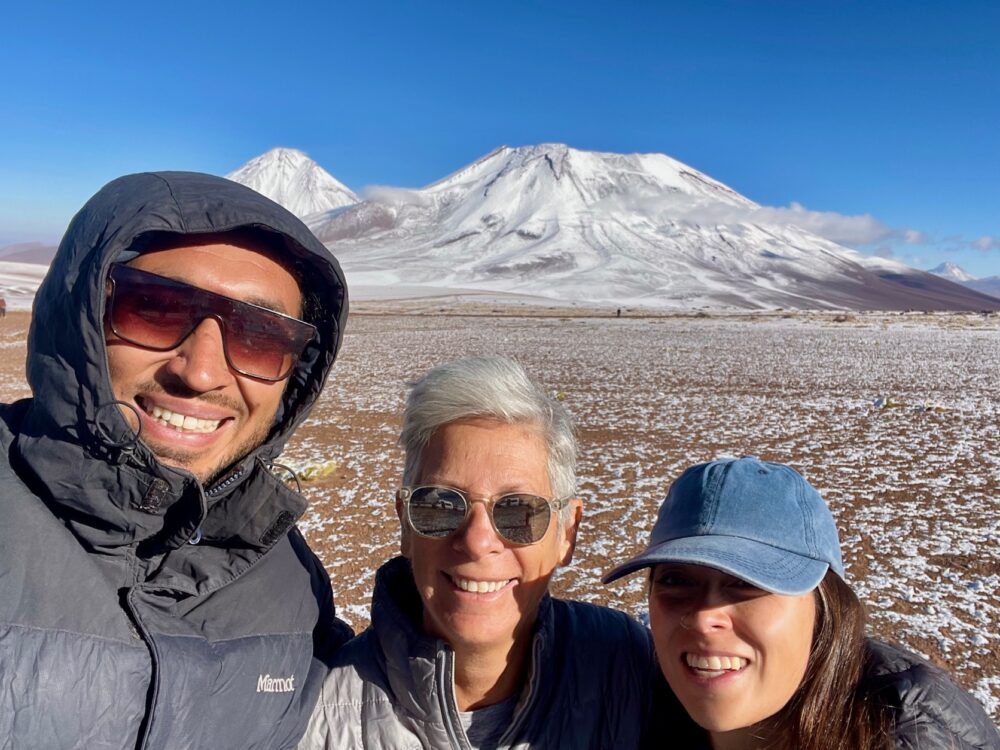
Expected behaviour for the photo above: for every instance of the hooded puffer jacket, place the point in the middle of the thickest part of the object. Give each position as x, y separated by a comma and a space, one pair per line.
590, 681
138, 608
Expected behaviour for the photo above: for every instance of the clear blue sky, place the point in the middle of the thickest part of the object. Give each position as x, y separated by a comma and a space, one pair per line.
884, 108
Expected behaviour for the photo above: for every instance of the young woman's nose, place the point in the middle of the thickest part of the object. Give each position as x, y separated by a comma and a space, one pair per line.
707, 612
706, 619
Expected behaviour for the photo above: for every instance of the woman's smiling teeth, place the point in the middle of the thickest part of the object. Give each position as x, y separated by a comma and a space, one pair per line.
479, 587
184, 423
713, 666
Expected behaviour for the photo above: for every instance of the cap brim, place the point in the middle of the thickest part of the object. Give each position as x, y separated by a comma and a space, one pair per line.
776, 570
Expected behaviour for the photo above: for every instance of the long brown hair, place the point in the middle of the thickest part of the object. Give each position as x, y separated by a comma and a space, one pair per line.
832, 709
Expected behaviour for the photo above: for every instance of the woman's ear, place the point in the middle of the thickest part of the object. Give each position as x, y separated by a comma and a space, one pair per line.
569, 528
404, 530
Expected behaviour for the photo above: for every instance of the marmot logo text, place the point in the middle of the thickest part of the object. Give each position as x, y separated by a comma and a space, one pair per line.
268, 684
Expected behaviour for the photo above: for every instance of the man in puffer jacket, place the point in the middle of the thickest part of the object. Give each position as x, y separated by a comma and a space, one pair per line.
154, 591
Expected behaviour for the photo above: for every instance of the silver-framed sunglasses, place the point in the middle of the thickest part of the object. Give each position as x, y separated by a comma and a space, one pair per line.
437, 512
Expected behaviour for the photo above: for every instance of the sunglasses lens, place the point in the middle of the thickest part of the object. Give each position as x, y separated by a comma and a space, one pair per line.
151, 314
159, 313
521, 519
266, 346
436, 511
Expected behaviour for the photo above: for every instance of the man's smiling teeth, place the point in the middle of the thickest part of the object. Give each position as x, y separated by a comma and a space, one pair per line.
182, 422
715, 664
479, 587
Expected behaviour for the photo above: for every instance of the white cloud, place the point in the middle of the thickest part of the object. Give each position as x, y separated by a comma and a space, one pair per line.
956, 243
986, 243
876, 237
862, 229
883, 251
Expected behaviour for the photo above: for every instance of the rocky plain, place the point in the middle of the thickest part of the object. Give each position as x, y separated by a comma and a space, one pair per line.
895, 418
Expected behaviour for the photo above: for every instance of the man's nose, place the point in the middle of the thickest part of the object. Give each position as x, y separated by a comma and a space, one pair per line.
200, 359
477, 538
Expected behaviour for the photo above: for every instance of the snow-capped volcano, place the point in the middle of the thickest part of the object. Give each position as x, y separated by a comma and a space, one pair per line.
989, 285
593, 227
952, 272
291, 178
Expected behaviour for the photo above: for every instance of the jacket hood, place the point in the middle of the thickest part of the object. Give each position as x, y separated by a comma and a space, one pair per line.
67, 360
73, 415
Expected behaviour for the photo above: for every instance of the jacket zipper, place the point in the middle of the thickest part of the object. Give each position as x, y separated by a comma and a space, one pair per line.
219, 488
445, 671
507, 738
154, 682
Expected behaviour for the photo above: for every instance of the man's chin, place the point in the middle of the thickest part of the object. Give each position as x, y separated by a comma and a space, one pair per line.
207, 466
206, 470
191, 464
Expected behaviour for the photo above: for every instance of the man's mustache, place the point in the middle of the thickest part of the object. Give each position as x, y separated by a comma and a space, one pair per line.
177, 389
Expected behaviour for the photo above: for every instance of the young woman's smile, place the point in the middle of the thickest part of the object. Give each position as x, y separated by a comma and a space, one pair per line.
734, 654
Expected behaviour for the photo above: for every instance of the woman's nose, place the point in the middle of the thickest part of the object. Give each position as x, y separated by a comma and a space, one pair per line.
477, 538
708, 611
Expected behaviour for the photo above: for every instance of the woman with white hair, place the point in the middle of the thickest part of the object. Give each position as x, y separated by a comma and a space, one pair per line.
466, 648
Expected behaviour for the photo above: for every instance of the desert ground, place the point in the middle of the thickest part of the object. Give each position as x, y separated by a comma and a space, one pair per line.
895, 418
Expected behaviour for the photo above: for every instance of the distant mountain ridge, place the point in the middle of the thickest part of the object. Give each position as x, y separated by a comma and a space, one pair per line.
953, 272
603, 228
989, 285
580, 227
28, 252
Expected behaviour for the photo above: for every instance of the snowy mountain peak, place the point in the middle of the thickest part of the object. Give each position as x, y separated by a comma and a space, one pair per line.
989, 285
292, 156
592, 227
585, 178
952, 272
289, 177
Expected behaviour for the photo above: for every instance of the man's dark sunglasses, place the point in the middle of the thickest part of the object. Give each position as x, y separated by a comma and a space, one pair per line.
159, 313
438, 512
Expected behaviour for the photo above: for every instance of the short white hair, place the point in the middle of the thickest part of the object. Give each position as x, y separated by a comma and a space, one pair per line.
494, 388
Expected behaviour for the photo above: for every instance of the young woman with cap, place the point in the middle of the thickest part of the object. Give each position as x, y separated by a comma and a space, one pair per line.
760, 638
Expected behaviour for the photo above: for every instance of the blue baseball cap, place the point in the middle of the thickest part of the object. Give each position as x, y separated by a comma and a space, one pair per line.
759, 521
